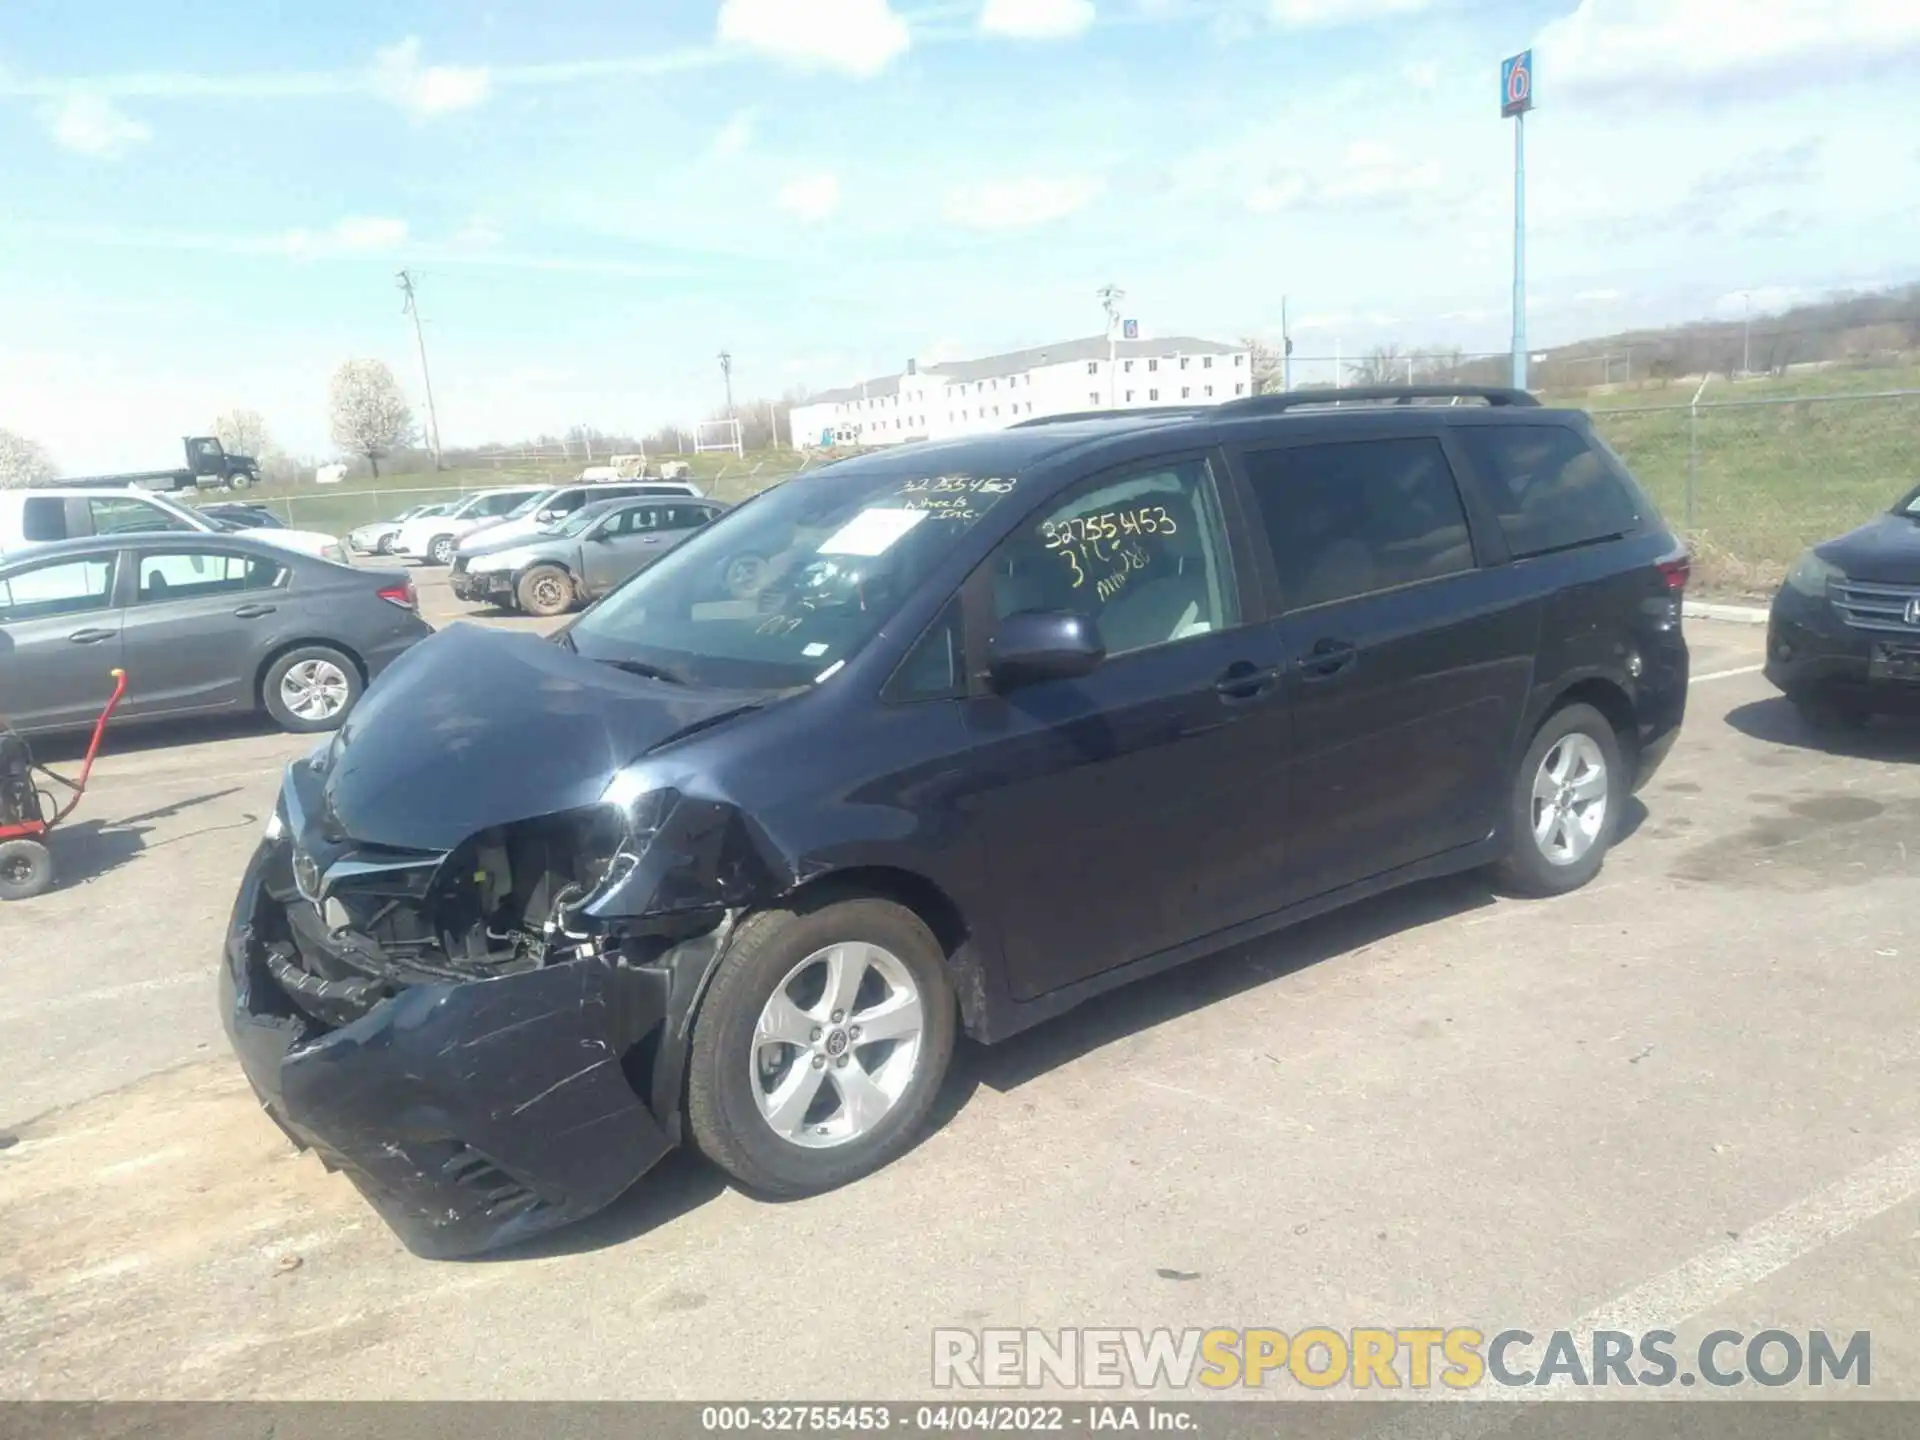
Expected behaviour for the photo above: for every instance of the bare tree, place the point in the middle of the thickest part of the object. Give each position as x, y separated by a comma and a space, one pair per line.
243, 432
369, 415
1382, 365
23, 462
1265, 363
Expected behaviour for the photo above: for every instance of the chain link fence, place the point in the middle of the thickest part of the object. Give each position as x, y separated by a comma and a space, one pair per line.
336, 510
1753, 482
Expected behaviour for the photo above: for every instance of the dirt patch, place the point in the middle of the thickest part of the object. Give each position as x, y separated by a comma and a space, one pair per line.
1815, 842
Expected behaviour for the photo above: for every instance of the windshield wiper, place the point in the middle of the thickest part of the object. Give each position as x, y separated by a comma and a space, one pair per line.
645, 671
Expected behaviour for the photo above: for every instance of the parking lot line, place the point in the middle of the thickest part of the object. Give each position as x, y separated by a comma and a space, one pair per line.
1727, 674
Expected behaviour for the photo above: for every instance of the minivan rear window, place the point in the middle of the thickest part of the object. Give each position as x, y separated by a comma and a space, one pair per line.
1552, 489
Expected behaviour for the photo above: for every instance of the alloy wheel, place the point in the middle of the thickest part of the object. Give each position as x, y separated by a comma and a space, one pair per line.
1570, 797
315, 689
837, 1044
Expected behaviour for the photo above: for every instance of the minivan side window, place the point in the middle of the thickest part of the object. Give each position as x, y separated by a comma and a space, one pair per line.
66, 587
934, 669
1551, 489
130, 516
1355, 517
43, 517
1143, 555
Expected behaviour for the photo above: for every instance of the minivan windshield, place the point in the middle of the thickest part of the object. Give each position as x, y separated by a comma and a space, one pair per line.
780, 591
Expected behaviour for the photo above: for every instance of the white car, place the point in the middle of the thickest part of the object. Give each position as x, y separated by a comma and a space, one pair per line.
432, 537
73, 512
550, 506
377, 538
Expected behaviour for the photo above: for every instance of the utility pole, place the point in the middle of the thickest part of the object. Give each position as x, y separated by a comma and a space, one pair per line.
1746, 334
411, 306
726, 372
1110, 297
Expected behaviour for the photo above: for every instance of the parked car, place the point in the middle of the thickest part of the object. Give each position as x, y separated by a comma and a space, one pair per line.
43, 515
535, 514
377, 538
576, 560
242, 517
1843, 636
432, 537
203, 624
956, 735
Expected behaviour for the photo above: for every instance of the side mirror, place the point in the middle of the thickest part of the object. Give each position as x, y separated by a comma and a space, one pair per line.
1034, 645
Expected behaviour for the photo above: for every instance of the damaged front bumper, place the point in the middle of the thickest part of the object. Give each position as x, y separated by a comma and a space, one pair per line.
471, 1114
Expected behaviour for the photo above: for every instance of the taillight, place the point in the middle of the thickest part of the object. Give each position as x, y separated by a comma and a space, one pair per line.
1677, 572
401, 595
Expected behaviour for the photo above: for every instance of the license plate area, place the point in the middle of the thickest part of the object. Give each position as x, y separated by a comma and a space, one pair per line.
1895, 662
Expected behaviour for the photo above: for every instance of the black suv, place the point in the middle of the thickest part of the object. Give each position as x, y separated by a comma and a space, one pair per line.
1843, 636
953, 736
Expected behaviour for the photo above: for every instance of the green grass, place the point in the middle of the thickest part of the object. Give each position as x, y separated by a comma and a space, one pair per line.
1768, 480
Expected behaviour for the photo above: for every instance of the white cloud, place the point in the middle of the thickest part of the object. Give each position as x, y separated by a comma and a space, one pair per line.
1019, 203
1680, 49
811, 198
94, 125
1305, 14
857, 37
400, 78
354, 235
1037, 19
734, 136
1368, 172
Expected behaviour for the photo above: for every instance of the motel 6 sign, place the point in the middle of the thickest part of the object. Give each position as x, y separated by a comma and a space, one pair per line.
1516, 84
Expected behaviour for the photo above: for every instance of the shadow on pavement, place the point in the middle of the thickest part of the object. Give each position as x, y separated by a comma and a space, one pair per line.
1776, 721
84, 850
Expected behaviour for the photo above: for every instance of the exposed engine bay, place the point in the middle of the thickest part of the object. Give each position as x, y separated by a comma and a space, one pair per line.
503, 903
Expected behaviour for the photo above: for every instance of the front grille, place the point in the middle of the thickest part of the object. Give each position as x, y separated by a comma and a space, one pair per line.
1884, 608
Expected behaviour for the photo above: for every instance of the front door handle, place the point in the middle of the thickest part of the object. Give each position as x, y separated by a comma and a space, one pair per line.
254, 612
1327, 659
91, 637
1246, 681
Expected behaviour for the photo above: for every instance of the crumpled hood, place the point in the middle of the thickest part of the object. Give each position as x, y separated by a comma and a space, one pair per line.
473, 728
1886, 550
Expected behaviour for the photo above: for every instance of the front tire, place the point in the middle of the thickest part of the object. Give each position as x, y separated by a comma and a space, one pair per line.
26, 869
546, 591
821, 1045
1564, 809
440, 552
310, 690
384, 545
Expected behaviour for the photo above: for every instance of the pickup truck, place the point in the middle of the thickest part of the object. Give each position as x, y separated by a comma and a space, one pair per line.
73, 512
208, 463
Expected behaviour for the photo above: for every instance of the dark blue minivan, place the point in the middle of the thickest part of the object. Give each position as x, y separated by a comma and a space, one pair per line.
949, 737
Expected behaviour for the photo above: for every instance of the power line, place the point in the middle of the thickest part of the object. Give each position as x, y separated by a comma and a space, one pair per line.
410, 306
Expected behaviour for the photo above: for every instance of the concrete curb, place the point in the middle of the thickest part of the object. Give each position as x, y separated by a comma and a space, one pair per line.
1738, 614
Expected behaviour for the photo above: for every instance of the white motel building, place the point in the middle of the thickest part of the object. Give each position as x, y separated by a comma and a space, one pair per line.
965, 397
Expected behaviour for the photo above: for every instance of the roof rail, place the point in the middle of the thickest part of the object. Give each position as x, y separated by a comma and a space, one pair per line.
1495, 395
1133, 414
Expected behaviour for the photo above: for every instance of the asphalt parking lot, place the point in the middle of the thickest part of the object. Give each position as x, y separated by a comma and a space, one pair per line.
1688, 1095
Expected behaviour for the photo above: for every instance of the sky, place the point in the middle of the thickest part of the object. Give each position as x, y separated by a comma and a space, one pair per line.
207, 203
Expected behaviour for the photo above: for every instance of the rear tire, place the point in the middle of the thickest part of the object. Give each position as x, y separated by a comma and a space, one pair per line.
546, 591
1564, 804
861, 1100
26, 869
311, 690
